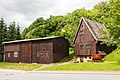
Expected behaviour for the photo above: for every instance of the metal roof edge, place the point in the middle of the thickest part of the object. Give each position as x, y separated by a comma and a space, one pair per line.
25, 40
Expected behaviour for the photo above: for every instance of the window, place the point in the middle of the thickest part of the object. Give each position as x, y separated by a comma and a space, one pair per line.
16, 54
81, 33
88, 46
8, 54
81, 46
81, 26
38, 54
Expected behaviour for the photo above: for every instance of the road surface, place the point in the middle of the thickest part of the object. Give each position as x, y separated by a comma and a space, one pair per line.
38, 75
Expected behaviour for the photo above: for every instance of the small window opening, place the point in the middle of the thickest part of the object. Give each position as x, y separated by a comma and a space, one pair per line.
38, 54
16, 54
81, 33
8, 54
81, 46
81, 25
88, 46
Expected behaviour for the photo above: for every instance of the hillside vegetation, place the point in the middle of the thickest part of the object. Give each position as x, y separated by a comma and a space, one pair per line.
114, 56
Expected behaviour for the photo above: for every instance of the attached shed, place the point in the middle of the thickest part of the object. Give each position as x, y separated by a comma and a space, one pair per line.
88, 39
39, 50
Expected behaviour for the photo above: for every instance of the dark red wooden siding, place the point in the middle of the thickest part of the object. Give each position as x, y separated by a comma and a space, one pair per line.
26, 52
85, 43
60, 49
38, 51
42, 52
11, 48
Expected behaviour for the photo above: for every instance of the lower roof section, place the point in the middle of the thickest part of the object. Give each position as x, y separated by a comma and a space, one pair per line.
27, 40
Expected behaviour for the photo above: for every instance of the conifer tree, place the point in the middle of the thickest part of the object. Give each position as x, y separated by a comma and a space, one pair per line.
3, 31
18, 37
12, 31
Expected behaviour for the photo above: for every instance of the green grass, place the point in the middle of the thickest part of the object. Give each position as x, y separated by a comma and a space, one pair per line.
114, 56
110, 64
18, 66
87, 67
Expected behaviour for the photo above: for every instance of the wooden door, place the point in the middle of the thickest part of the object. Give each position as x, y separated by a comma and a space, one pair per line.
41, 52
25, 54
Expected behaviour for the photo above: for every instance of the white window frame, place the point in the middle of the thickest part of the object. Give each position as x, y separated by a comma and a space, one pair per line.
8, 54
16, 54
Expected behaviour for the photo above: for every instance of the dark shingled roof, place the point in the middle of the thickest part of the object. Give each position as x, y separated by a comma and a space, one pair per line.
97, 29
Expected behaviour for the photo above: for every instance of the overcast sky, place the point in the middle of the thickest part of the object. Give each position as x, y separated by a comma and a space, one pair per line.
26, 11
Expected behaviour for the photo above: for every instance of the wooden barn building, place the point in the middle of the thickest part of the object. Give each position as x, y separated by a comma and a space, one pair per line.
88, 40
39, 50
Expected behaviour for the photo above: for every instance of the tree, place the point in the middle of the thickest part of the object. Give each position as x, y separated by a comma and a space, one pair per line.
3, 36
113, 21
18, 37
12, 31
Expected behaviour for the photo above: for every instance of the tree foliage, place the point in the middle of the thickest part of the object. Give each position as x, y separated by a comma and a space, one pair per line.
2, 33
56, 26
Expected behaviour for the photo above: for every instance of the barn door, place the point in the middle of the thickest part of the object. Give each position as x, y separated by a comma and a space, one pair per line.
43, 56
25, 55
41, 52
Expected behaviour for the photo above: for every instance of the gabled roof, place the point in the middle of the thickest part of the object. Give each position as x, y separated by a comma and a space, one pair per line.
96, 29
27, 40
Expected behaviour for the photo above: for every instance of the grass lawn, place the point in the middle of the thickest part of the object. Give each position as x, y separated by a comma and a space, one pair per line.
18, 66
105, 66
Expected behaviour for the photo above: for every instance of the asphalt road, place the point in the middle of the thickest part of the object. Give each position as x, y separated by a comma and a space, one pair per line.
34, 75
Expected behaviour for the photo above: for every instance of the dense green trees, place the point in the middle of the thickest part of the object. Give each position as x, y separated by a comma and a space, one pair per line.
8, 33
13, 32
114, 21
56, 26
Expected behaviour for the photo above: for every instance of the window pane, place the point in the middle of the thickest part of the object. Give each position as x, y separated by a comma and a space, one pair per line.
8, 54
16, 54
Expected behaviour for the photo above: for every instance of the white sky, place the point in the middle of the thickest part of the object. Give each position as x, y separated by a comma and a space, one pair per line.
27, 11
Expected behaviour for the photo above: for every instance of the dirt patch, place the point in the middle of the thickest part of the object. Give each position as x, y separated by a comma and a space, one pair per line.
50, 65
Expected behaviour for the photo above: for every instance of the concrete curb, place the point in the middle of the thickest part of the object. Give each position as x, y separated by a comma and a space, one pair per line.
66, 72
78, 72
